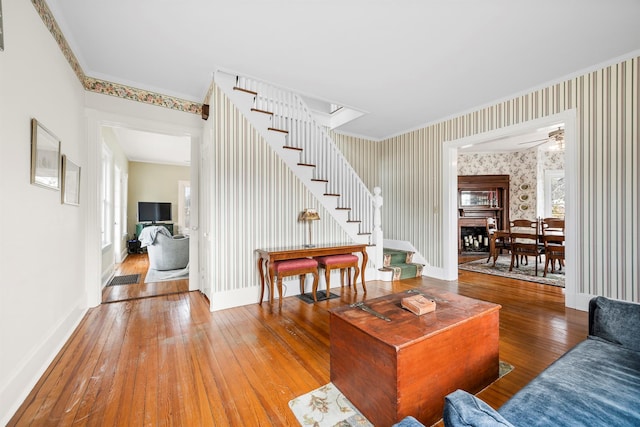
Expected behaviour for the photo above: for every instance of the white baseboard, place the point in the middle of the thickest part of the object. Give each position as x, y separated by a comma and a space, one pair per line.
31, 368
107, 275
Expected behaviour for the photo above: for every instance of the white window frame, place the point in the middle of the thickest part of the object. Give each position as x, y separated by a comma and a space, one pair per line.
106, 197
549, 176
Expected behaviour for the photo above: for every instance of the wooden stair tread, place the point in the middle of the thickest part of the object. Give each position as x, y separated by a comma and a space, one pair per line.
257, 110
278, 130
319, 180
343, 209
307, 164
363, 234
241, 89
355, 221
291, 148
332, 194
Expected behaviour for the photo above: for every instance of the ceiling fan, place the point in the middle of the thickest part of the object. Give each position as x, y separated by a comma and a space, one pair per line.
555, 135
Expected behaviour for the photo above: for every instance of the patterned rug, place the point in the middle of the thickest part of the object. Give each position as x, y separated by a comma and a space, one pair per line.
523, 272
327, 406
129, 279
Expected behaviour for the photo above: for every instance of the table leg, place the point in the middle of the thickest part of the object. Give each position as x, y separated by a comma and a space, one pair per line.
261, 272
365, 259
272, 285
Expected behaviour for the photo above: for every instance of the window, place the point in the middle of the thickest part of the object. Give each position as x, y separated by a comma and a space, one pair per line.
554, 193
184, 206
106, 196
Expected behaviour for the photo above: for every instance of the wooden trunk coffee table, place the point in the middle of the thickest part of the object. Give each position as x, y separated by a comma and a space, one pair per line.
406, 366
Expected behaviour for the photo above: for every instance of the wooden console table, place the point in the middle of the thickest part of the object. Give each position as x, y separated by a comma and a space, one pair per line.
266, 258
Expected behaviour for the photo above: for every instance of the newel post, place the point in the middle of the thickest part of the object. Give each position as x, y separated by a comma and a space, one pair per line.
378, 240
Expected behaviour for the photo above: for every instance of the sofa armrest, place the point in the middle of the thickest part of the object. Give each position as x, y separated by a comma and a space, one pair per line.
615, 321
462, 409
409, 422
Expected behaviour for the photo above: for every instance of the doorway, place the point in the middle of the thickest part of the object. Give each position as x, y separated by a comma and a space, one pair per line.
98, 277
450, 172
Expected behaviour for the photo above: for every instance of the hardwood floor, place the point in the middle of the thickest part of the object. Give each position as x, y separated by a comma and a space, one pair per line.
167, 360
139, 264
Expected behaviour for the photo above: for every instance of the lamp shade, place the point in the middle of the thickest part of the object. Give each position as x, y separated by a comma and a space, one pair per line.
309, 215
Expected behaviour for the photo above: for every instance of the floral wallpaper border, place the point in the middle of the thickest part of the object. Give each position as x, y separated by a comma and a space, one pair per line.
105, 87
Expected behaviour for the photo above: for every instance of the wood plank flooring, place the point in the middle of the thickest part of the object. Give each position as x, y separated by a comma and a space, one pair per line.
139, 264
167, 360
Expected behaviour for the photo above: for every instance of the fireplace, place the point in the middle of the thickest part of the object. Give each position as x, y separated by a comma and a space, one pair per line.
474, 239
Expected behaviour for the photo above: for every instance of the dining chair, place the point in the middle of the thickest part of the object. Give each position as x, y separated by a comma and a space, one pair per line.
553, 250
523, 238
498, 241
553, 226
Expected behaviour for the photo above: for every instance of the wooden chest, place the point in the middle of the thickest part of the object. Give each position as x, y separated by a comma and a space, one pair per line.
389, 370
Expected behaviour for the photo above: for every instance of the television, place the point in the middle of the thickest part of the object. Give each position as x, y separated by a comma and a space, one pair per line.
154, 211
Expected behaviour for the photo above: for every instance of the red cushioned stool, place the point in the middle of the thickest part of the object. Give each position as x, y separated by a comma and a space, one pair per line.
292, 267
343, 262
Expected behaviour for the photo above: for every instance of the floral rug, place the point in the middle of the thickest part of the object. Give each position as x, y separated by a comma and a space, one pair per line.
523, 272
327, 406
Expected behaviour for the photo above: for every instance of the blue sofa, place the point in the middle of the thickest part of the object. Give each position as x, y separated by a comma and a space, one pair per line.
596, 383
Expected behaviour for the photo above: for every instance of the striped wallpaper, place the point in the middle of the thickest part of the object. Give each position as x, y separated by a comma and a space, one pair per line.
256, 201
606, 102
257, 198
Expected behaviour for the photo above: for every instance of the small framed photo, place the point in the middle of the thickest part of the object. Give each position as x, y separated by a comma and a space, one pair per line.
1, 29
70, 182
45, 157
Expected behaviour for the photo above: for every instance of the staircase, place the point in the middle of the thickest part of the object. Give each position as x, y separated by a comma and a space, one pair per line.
288, 126
399, 262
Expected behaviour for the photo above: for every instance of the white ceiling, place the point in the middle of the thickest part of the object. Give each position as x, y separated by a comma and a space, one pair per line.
140, 146
405, 63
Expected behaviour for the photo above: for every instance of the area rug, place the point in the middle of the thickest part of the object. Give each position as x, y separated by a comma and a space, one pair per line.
320, 296
328, 407
164, 276
129, 279
523, 272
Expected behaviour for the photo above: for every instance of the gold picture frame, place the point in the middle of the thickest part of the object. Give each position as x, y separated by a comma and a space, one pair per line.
45, 157
70, 182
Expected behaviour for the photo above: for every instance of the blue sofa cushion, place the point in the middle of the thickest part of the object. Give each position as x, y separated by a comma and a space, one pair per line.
594, 384
615, 321
464, 409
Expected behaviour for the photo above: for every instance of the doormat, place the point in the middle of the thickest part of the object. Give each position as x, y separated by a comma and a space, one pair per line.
129, 279
320, 295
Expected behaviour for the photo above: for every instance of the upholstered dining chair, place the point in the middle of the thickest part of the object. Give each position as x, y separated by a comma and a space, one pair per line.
553, 226
523, 238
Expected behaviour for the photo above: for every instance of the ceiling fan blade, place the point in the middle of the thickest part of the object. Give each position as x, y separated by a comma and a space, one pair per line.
535, 140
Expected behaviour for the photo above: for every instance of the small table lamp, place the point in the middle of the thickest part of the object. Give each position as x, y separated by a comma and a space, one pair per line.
309, 215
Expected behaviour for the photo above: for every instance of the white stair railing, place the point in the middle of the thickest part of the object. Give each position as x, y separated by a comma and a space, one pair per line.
291, 114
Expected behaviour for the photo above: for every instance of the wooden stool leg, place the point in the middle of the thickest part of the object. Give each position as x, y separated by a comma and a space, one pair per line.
279, 291
342, 277
327, 278
356, 273
315, 286
302, 283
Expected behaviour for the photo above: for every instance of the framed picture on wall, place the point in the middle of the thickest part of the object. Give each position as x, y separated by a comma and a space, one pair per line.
45, 157
70, 182
1, 29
